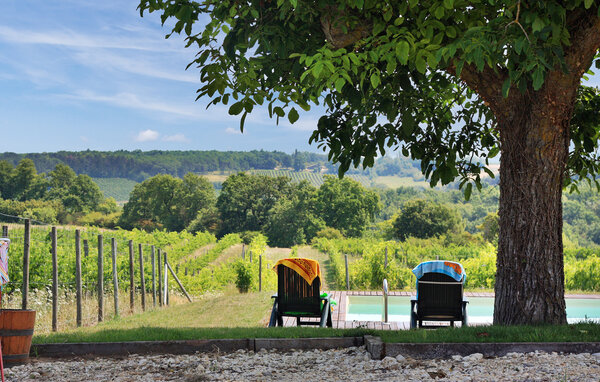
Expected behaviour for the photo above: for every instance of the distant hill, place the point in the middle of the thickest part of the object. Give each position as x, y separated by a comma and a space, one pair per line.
313, 178
139, 165
116, 172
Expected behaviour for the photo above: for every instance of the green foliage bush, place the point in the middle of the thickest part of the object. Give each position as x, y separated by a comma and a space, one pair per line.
583, 274
423, 219
244, 275
329, 233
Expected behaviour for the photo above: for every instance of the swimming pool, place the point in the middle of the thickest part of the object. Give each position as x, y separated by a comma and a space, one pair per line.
480, 309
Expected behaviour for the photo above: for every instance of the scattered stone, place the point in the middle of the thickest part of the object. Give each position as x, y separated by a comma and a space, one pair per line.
332, 365
390, 363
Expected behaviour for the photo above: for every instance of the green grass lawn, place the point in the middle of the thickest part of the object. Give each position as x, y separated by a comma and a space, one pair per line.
234, 315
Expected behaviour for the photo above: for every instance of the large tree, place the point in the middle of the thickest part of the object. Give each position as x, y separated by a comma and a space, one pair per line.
344, 204
245, 201
447, 81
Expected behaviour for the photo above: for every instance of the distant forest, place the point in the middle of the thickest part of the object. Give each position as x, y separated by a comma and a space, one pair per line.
139, 165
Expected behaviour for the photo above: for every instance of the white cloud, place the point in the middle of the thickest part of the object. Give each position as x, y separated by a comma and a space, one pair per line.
232, 131
103, 59
133, 101
147, 136
176, 138
74, 39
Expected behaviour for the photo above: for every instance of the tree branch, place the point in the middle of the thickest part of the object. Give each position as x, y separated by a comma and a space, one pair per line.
584, 30
488, 84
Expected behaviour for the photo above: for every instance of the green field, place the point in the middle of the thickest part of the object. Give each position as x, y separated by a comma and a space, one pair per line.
117, 188
313, 178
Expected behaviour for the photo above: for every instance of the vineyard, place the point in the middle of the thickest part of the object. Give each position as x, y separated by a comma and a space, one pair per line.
197, 274
313, 178
367, 268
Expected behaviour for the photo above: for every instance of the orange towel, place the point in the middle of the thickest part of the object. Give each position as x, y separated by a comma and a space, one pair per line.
307, 268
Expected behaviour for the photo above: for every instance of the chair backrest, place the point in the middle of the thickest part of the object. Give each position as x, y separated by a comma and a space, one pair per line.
294, 294
439, 295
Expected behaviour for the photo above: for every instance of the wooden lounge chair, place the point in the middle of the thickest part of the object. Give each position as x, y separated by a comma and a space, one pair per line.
297, 298
439, 298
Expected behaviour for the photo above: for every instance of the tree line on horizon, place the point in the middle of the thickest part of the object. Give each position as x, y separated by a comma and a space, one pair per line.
139, 165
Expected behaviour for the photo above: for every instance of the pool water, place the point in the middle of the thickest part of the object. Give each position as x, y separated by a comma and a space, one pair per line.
479, 309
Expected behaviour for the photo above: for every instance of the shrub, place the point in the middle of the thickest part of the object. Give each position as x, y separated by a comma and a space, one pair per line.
244, 275
329, 233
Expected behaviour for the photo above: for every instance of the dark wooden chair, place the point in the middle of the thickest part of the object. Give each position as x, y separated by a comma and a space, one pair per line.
439, 298
296, 298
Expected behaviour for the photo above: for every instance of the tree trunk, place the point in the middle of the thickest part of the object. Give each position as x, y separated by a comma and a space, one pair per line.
534, 138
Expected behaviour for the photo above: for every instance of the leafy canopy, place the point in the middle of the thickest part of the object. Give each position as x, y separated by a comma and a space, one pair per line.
388, 72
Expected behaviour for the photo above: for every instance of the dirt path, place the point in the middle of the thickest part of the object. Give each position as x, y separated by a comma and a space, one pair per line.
198, 253
228, 254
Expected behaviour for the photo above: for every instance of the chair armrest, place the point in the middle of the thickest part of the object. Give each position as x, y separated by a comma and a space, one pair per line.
465, 300
413, 298
274, 296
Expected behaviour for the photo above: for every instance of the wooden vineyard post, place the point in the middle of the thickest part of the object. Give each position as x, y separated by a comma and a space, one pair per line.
166, 280
54, 282
142, 280
100, 278
86, 248
152, 256
26, 252
5, 231
113, 243
159, 265
78, 316
385, 264
131, 279
347, 274
259, 273
243, 251
178, 282
166, 283
250, 254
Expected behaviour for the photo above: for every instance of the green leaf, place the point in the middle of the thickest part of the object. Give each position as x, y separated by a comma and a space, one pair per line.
493, 152
339, 84
439, 12
489, 172
506, 87
317, 69
588, 3
293, 115
451, 32
538, 24
468, 191
294, 3
279, 111
236, 108
538, 78
421, 64
402, 50
242, 121
375, 80
449, 4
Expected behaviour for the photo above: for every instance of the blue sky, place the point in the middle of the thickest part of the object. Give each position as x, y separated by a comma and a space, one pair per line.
84, 74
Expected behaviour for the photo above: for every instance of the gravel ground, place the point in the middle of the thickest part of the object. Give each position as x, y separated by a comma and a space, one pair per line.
349, 364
